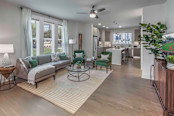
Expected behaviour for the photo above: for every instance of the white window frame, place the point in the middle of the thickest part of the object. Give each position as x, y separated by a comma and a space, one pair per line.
40, 32
36, 38
52, 37
114, 42
61, 36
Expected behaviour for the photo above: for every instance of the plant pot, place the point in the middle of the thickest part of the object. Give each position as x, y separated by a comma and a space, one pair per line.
78, 66
170, 66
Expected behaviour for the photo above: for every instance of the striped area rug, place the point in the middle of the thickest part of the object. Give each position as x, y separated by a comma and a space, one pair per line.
65, 93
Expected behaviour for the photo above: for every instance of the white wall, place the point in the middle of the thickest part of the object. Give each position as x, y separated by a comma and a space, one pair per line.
11, 31
170, 16
86, 29
87, 40
102, 35
151, 14
96, 32
10, 28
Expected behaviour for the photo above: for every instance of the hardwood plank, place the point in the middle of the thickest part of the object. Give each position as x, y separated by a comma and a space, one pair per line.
123, 93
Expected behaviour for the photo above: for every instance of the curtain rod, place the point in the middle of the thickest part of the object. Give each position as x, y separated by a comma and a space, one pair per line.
42, 13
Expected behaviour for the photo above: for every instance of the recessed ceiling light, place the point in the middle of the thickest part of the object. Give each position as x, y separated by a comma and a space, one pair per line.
104, 26
107, 27
99, 23
120, 26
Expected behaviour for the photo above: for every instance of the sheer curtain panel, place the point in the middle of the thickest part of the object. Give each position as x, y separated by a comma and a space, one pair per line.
27, 32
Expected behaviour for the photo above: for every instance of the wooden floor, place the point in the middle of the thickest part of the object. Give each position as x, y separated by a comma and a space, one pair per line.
123, 93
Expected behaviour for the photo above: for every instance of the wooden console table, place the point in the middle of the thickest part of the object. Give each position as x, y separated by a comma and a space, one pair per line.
164, 86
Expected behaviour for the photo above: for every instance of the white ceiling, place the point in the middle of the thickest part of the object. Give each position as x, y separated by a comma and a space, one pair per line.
126, 13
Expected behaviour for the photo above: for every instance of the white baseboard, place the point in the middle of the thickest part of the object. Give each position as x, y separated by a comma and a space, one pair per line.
146, 77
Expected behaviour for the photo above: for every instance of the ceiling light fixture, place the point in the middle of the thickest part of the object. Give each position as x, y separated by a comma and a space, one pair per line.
104, 26
99, 23
92, 14
120, 26
107, 27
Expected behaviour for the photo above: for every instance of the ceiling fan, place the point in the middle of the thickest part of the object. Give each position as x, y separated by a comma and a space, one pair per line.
93, 13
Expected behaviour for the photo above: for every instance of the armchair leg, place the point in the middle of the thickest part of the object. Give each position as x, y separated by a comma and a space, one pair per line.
36, 85
54, 77
110, 67
96, 67
106, 69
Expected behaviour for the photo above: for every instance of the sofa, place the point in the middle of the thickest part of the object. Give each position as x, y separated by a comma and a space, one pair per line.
22, 68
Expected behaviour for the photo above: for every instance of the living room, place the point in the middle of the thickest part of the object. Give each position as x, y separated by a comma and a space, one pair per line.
86, 58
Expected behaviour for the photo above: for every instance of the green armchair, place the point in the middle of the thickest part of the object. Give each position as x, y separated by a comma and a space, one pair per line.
79, 59
104, 63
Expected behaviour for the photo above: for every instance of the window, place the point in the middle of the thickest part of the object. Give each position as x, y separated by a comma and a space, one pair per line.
34, 37
59, 49
122, 38
46, 35
48, 29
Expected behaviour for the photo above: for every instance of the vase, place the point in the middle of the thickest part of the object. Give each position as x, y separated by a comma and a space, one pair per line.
170, 66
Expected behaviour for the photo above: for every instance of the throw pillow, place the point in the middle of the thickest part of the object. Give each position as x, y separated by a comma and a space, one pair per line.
33, 63
55, 57
25, 62
104, 57
63, 57
79, 55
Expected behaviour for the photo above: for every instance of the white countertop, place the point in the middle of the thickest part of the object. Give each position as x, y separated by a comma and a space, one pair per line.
116, 49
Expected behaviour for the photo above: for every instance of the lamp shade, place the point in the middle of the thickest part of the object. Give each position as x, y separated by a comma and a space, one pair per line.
6, 48
72, 41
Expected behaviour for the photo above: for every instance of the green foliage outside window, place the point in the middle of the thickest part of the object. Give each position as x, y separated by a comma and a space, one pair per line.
34, 30
48, 34
59, 32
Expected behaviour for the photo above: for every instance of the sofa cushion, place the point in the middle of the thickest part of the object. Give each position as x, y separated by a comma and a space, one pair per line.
35, 58
44, 59
60, 63
45, 73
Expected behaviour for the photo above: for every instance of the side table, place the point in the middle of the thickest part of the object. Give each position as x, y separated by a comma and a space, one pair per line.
7, 74
90, 64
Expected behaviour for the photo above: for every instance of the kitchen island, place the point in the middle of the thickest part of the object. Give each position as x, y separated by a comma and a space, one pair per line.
116, 55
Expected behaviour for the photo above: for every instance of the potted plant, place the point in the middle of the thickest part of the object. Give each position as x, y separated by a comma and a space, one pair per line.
152, 37
170, 62
79, 64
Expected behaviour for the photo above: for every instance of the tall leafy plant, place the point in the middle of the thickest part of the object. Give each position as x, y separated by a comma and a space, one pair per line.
152, 37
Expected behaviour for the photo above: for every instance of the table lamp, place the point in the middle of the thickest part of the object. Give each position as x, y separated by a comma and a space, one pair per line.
6, 48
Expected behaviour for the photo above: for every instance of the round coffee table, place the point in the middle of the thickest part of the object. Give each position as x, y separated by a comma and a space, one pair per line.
78, 74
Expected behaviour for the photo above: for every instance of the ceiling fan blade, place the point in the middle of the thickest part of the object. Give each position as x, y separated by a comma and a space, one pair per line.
82, 13
100, 10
